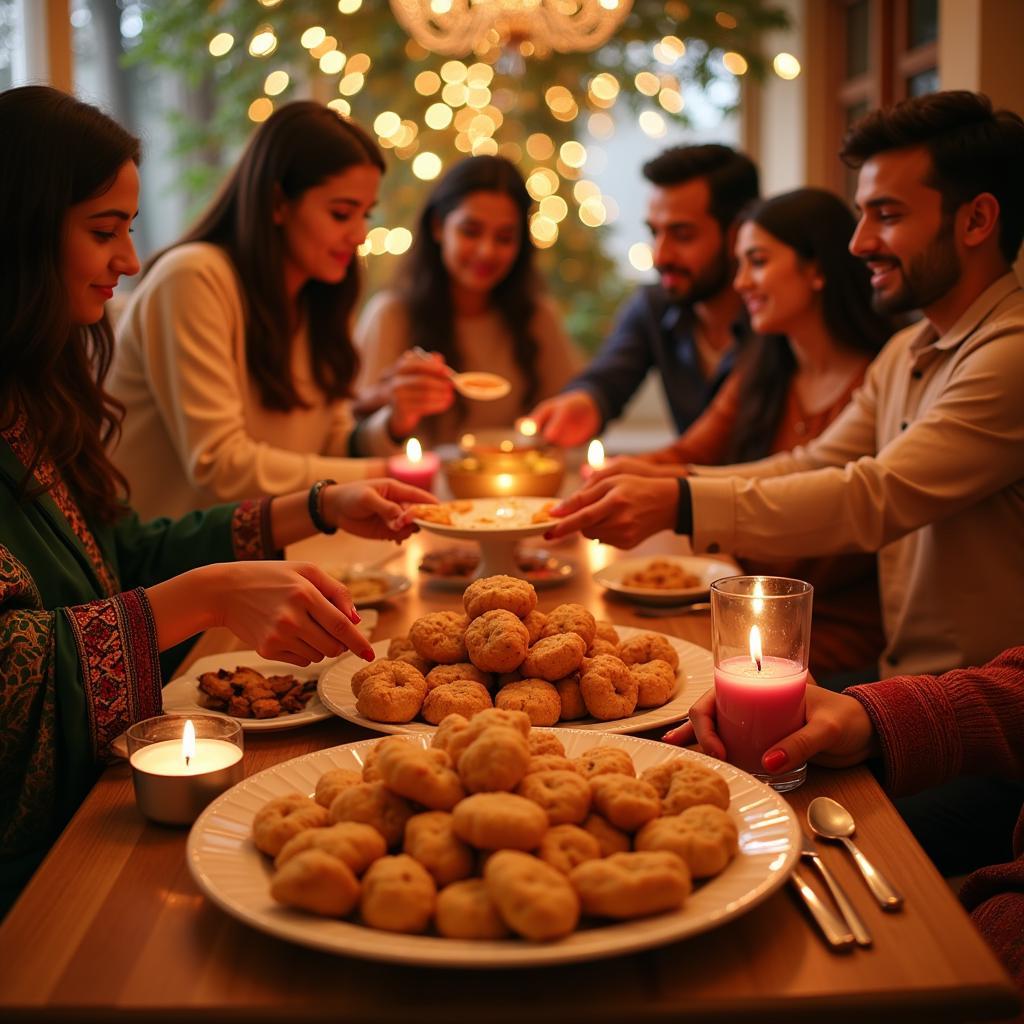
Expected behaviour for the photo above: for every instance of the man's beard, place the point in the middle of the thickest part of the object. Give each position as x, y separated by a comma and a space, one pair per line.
927, 278
709, 282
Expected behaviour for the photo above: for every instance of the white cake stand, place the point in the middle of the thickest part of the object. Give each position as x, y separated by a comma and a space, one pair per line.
497, 525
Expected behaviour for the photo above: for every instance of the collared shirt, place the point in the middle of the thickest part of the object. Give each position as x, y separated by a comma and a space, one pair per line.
926, 467
652, 332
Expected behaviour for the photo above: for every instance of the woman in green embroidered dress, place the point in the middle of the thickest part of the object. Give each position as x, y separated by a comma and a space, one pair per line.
89, 594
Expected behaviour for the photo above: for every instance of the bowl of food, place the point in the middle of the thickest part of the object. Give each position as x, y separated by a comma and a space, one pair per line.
494, 474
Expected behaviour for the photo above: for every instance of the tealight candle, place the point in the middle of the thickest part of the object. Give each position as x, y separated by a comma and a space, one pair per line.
180, 764
759, 696
595, 459
416, 466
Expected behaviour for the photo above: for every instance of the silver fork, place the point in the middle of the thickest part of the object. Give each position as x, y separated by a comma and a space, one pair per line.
846, 908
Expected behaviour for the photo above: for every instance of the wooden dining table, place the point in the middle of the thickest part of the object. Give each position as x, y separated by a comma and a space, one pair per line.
113, 928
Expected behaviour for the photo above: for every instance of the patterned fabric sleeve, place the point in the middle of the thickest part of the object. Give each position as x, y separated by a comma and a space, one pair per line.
251, 534
97, 663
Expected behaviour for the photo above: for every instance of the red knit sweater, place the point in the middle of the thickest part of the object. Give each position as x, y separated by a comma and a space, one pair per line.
966, 722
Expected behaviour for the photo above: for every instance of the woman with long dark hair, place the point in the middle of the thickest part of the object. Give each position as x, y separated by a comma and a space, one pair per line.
89, 594
234, 359
469, 294
809, 302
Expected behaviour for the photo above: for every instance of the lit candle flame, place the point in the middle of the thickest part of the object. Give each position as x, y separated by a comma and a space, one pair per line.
527, 427
755, 647
595, 454
504, 482
188, 742
758, 595
413, 450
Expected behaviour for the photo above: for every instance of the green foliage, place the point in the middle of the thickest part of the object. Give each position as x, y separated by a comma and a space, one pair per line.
583, 278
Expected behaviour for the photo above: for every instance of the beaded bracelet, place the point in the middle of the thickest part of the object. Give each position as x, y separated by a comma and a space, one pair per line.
315, 510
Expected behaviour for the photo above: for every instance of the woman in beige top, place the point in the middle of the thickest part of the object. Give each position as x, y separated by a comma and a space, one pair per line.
469, 294
234, 359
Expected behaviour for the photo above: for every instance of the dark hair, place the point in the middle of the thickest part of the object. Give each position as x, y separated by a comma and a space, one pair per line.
818, 226
299, 146
731, 176
57, 152
424, 284
973, 148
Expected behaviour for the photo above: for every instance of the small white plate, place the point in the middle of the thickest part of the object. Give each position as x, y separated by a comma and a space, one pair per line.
180, 695
394, 583
695, 664
235, 876
706, 569
505, 517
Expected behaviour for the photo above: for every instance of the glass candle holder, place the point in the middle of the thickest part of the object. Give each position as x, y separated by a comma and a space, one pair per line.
180, 763
761, 638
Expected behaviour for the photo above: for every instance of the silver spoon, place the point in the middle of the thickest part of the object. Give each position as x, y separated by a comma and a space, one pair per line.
831, 820
476, 384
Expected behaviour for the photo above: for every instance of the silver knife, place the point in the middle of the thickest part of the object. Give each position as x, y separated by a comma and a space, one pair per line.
836, 933
846, 908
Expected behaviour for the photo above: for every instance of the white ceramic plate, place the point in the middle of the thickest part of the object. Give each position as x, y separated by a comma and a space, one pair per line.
504, 517
235, 876
180, 694
706, 569
695, 663
392, 582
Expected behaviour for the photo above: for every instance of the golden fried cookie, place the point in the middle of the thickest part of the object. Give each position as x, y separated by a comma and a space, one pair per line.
460, 738
398, 895
331, 783
354, 842
648, 647
504, 592
604, 761
496, 760
313, 880
570, 698
565, 796
466, 911
439, 675
393, 694
554, 657
609, 838
627, 885
565, 846
695, 784
608, 688
371, 773
704, 836
534, 900
374, 804
431, 839
535, 623
655, 682
627, 803
497, 641
536, 698
572, 618
606, 631
447, 728
401, 649
541, 741
286, 816
424, 776
440, 636
463, 697
600, 646
366, 672
499, 821
549, 763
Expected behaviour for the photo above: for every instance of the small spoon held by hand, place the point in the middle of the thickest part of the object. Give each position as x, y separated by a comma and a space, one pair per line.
831, 820
476, 384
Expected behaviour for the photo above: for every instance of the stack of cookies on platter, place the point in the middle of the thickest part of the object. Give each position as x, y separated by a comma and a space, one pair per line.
556, 666
492, 831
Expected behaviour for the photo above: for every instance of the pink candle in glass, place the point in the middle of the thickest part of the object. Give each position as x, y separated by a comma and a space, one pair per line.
416, 466
755, 708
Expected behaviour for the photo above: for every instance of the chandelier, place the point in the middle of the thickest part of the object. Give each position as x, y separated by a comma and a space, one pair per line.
459, 27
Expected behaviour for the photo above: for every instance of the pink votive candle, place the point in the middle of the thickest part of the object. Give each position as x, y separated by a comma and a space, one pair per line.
415, 467
757, 708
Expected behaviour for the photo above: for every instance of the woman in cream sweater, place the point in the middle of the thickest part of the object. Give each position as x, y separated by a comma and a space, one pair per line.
234, 359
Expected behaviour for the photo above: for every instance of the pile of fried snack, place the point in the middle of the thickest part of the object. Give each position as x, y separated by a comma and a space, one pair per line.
492, 831
556, 666
661, 574
246, 693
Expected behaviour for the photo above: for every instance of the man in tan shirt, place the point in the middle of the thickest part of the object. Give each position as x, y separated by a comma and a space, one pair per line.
926, 465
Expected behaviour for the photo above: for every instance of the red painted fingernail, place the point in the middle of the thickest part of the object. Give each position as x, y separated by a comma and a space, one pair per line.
774, 760
355, 616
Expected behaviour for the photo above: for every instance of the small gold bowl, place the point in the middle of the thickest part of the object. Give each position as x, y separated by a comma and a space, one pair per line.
494, 474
